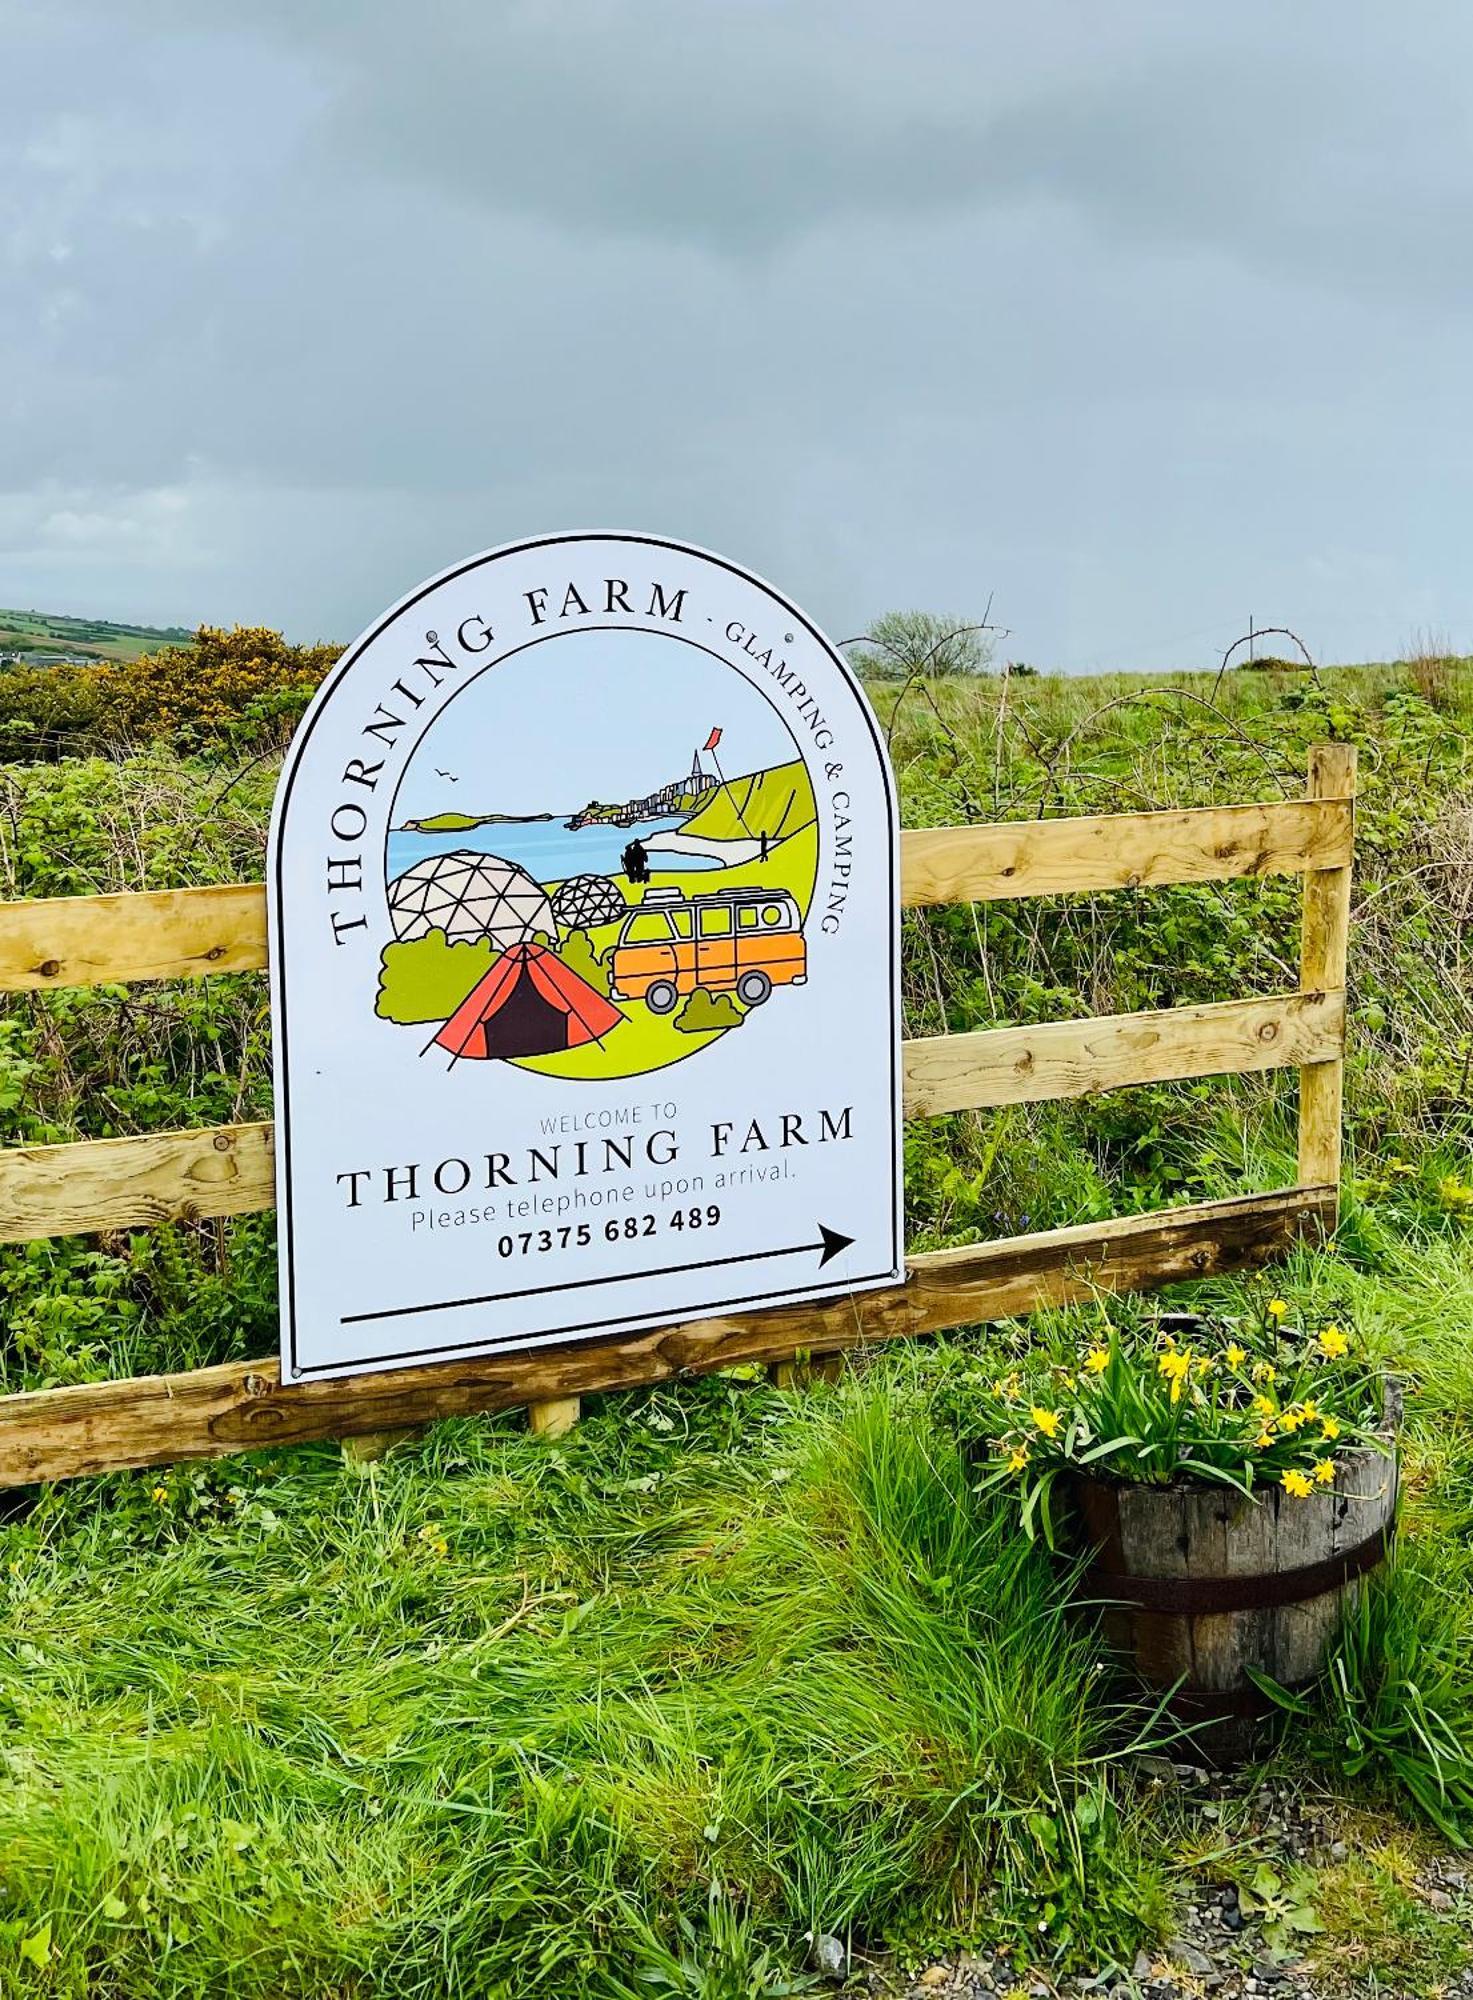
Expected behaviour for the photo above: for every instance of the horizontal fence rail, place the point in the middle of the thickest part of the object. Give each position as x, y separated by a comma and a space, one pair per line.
184, 933
99, 1184
242, 1406
127, 1183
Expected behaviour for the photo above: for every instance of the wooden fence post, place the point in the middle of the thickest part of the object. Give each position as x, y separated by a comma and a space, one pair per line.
1322, 961
554, 1418
803, 1370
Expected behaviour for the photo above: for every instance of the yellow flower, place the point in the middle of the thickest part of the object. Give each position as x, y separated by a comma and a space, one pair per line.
1097, 1360
1309, 1412
159, 1495
1236, 1355
1263, 1440
1264, 1405
1017, 1458
1276, 1308
1297, 1484
1289, 1422
1324, 1471
1204, 1364
1006, 1386
1329, 1429
1265, 1371
1066, 1380
1332, 1343
1046, 1420
1175, 1366
433, 1539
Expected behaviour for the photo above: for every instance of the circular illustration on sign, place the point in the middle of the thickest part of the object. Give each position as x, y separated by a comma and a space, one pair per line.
601, 857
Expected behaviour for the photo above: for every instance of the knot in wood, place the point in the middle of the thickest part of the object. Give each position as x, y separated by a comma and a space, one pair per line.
223, 1142
1268, 1031
215, 951
256, 1385
50, 967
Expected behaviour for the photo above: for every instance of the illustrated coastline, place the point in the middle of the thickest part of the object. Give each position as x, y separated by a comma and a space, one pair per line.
455, 822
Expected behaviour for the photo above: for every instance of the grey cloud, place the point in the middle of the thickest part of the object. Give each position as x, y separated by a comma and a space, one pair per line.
1141, 315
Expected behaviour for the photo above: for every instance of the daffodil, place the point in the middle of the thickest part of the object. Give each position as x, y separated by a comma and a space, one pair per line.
1324, 1471
1097, 1360
1263, 1440
1329, 1429
1309, 1411
1046, 1420
1006, 1386
1297, 1484
1175, 1365
1264, 1405
1265, 1371
1017, 1458
1289, 1421
1235, 1355
1332, 1343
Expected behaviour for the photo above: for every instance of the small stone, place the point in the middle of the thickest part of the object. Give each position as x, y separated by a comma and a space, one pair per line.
1439, 1899
1142, 1967
1232, 1917
1160, 1769
934, 1976
829, 1955
1187, 1954
1339, 1851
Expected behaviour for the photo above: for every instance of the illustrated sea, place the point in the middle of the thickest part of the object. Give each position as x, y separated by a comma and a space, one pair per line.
547, 849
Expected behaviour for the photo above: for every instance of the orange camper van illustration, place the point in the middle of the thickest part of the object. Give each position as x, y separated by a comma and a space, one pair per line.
742, 941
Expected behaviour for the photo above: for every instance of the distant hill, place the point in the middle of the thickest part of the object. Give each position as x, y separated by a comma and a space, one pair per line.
42, 636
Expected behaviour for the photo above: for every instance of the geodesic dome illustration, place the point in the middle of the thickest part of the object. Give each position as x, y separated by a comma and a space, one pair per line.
469, 896
586, 900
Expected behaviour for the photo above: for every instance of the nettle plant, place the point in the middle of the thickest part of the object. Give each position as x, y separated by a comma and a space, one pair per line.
1249, 1402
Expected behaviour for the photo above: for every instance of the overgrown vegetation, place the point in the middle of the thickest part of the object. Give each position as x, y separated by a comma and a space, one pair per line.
638, 1711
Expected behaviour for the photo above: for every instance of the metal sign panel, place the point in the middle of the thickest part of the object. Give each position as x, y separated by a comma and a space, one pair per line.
584, 905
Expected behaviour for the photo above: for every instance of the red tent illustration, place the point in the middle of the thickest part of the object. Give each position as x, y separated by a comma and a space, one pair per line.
528, 1004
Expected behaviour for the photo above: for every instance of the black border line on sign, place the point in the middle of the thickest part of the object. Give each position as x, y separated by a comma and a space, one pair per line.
323, 700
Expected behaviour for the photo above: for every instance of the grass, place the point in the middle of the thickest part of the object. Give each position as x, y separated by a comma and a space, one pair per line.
492, 1714
635, 1712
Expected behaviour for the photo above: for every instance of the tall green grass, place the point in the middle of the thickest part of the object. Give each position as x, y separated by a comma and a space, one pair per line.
718, 1673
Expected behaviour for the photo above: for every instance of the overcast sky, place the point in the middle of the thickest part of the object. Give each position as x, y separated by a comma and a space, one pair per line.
1139, 317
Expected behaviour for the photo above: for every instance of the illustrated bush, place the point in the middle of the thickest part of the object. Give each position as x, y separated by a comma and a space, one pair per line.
708, 1013
427, 978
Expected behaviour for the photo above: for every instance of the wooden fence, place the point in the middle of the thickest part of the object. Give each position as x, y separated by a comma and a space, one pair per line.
112, 1184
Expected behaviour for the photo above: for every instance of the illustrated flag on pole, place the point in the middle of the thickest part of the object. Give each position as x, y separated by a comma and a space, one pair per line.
712, 740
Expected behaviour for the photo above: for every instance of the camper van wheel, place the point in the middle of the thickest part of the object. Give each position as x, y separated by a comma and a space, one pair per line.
660, 996
754, 988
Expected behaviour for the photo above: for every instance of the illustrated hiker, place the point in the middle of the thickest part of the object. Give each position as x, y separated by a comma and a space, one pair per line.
762, 843
636, 861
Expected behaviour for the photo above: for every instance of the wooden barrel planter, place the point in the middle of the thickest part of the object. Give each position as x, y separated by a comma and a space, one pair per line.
1196, 1584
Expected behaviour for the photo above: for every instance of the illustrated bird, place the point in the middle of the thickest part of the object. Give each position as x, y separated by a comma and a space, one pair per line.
447, 774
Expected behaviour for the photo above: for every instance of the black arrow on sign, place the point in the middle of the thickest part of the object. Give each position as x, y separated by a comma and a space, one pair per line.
830, 1243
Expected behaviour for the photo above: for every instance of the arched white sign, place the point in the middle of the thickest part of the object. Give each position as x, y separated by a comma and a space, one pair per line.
584, 899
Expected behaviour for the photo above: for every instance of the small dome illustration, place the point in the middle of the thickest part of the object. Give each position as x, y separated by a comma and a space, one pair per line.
469, 896
586, 900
